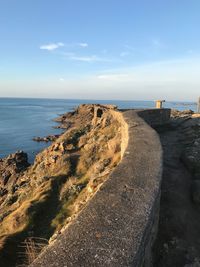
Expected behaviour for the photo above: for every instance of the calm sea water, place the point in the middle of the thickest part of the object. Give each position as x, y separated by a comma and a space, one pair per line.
23, 119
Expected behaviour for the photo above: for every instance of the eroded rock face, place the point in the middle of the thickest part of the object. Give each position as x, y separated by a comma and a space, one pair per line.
39, 200
49, 138
12, 166
84, 111
191, 152
195, 191
177, 113
190, 156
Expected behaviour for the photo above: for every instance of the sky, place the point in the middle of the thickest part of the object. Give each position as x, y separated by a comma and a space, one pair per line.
106, 49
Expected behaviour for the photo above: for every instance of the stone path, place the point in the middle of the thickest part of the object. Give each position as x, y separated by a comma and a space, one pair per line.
178, 241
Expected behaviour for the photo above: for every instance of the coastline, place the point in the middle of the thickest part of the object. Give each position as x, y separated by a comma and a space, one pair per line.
64, 175
69, 172
23, 119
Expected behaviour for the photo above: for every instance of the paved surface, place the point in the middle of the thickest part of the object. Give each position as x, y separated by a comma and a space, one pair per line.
116, 225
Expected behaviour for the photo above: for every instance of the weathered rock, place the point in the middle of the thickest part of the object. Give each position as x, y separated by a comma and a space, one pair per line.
191, 155
195, 191
3, 192
86, 111
6, 175
190, 160
178, 113
49, 138
12, 166
52, 190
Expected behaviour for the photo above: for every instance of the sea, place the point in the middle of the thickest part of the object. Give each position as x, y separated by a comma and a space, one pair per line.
22, 119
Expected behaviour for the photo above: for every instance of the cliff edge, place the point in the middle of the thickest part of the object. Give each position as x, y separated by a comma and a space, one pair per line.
38, 201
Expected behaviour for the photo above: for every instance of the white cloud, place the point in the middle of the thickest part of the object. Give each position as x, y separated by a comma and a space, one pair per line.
83, 44
60, 44
169, 71
77, 44
176, 79
51, 46
86, 58
89, 59
74, 54
170, 80
114, 77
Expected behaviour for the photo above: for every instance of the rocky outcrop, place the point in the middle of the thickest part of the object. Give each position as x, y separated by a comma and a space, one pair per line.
41, 199
177, 113
191, 152
48, 138
84, 111
116, 228
11, 168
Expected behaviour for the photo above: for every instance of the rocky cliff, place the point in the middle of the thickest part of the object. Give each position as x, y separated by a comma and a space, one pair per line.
39, 200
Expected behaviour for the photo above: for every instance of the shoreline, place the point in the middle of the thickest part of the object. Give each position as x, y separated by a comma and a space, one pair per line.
32, 118
65, 176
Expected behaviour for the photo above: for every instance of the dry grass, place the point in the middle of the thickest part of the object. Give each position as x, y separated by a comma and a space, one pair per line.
97, 157
32, 247
19, 219
61, 182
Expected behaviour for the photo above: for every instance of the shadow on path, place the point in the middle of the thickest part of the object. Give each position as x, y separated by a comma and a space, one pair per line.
178, 240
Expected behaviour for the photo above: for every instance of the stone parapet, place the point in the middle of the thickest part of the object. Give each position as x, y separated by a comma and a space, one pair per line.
118, 226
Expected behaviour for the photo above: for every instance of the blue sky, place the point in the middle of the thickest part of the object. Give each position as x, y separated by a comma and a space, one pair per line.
100, 49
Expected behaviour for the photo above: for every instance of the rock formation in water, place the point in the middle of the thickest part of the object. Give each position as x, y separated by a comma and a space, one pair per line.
48, 138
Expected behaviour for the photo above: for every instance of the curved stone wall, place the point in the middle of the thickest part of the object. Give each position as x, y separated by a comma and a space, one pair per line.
119, 224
